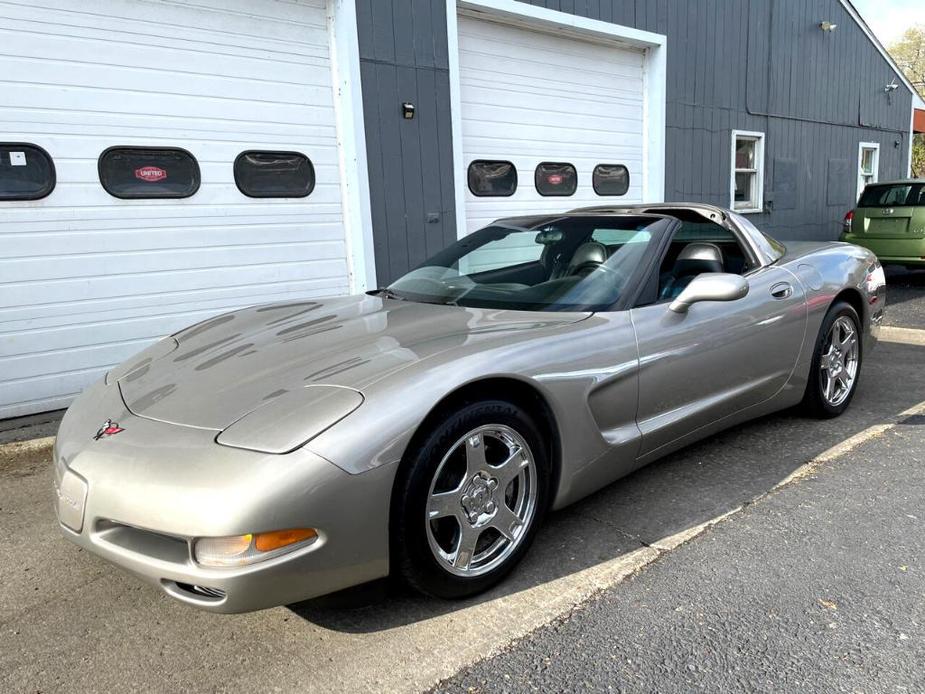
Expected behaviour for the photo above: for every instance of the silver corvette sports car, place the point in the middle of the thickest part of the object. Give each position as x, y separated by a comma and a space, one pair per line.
279, 452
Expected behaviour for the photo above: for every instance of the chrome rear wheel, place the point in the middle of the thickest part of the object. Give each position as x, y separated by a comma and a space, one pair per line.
838, 365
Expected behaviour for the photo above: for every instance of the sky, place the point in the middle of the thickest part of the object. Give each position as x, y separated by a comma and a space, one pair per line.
889, 19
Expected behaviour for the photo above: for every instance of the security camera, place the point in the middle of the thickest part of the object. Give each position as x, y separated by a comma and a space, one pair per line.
891, 87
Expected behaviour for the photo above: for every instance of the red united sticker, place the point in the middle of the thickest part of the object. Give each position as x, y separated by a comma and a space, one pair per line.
554, 179
150, 174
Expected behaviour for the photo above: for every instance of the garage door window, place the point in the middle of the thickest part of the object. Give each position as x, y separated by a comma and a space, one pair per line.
274, 174
135, 173
610, 179
554, 179
26, 172
496, 179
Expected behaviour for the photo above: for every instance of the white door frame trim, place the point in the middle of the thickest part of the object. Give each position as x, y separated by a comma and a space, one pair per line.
351, 144
562, 23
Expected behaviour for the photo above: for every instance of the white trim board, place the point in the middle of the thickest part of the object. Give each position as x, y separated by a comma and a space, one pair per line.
351, 144
561, 23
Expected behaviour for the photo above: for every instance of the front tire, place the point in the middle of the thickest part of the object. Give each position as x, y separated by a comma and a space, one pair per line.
469, 499
836, 364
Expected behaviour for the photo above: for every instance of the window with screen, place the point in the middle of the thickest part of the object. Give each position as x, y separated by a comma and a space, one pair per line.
26, 172
148, 172
610, 179
553, 179
492, 178
260, 174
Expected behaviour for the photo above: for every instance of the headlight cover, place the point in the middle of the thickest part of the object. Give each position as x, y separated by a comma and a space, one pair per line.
290, 421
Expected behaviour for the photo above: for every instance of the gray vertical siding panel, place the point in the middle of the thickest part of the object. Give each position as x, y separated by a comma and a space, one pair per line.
404, 57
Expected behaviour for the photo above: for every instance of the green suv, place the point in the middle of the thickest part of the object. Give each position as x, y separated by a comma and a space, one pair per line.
890, 221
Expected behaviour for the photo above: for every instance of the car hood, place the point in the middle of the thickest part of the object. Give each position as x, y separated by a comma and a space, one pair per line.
212, 374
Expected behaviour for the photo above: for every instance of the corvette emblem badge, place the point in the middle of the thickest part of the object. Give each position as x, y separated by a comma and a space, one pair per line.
109, 428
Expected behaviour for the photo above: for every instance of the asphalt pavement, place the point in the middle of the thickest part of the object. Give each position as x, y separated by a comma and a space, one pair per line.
72, 622
905, 297
819, 587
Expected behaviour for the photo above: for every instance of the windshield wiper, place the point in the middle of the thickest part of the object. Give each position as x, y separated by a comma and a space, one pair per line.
387, 293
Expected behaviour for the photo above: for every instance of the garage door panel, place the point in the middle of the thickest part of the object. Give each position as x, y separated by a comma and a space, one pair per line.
166, 238
217, 22
330, 275
529, 97
108, 78
93, 100
61, 315
523, 43
91, 265
531, 73
72, 127
87, 279
563, 100
39, 55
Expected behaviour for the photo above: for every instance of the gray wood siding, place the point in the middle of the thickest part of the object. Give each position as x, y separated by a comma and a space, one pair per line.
403, 57
760, 65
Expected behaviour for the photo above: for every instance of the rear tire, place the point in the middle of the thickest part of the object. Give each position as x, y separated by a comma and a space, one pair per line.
836, 365
468, 500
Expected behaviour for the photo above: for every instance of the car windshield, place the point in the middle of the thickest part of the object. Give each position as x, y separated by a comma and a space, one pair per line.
894, 195
580, 263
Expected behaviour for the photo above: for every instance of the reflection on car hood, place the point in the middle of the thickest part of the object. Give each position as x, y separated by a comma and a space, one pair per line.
233, 363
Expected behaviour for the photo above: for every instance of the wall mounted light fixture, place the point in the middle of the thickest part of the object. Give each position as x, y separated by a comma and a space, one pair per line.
407, 110
828, 27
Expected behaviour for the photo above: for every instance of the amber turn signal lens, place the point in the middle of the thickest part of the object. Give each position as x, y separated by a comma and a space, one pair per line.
267, 542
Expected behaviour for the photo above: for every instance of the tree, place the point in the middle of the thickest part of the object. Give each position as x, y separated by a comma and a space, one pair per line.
909, 54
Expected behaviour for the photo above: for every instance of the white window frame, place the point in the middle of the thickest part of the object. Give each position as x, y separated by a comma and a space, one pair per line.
875, 146
758, 138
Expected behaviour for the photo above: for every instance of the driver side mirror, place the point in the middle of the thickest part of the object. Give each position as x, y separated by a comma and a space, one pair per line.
710, 286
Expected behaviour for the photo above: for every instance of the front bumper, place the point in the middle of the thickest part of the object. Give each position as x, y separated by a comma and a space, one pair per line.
138, 499
892, 251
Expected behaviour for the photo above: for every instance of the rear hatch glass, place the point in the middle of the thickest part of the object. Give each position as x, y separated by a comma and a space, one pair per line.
891, 211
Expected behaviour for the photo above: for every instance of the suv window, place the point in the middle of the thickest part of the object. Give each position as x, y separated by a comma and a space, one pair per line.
901, 195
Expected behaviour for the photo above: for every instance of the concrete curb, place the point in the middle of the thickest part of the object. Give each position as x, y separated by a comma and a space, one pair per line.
905, 336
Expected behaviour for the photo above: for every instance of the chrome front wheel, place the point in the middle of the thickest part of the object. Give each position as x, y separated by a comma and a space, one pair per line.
482, 500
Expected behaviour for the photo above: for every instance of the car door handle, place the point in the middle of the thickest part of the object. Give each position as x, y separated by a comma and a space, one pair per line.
782, 290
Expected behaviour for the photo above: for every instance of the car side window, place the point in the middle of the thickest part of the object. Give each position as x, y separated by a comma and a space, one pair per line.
696, 248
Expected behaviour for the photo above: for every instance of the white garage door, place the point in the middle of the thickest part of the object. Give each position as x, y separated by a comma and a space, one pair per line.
530, 97
87, 279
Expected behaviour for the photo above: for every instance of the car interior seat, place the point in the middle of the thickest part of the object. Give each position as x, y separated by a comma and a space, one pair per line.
586, 258
694, 259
